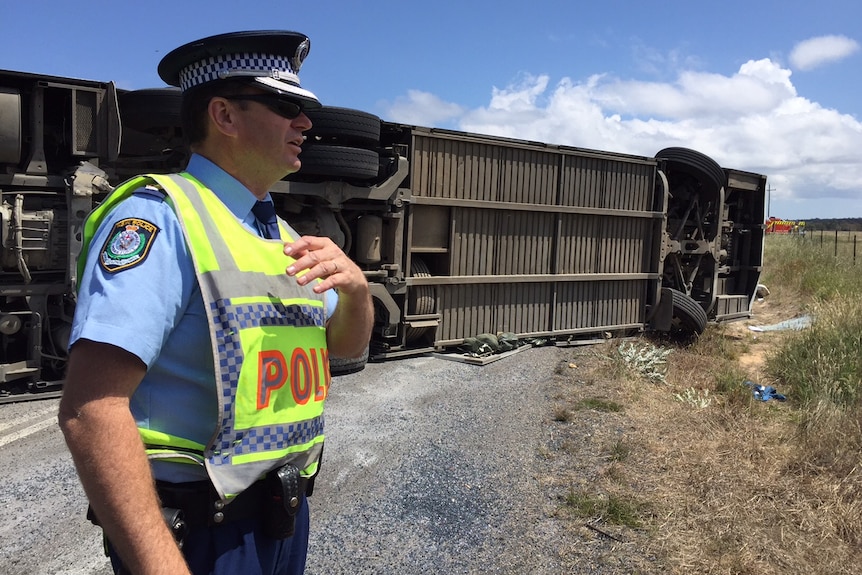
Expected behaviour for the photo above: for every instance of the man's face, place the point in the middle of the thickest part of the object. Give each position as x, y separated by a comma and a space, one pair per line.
269, 141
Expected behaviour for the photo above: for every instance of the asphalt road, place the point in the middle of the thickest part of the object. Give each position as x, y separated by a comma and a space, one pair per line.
430, 466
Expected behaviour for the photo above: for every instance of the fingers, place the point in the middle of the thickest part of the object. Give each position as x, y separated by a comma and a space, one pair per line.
319, 258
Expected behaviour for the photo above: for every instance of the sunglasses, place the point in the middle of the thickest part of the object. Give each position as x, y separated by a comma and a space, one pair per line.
285, 108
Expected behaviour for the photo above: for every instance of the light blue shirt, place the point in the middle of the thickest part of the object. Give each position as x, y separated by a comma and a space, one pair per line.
155, 310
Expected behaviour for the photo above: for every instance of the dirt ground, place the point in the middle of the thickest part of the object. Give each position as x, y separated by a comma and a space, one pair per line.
701, 495
766, 311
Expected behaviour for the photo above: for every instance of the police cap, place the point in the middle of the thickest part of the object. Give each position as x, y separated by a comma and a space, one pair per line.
270, 59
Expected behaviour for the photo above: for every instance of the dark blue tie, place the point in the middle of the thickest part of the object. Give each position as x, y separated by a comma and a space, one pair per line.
265, 214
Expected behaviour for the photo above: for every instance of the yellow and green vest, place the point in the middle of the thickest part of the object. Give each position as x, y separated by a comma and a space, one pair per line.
268, 340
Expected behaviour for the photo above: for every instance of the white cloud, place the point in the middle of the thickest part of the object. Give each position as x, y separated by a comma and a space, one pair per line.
752, 120
421, 109
815, 52
758, 86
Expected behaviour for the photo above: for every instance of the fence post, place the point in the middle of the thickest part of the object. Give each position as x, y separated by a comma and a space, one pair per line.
836, 243
854, 249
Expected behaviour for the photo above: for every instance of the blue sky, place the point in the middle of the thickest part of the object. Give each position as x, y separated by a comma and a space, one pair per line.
765, 86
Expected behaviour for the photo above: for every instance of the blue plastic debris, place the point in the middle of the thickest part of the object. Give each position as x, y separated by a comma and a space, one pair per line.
764, 392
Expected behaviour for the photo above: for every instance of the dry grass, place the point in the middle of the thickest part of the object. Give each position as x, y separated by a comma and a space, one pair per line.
718, 482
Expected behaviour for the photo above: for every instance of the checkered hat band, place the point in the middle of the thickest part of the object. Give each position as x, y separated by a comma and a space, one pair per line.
226, 66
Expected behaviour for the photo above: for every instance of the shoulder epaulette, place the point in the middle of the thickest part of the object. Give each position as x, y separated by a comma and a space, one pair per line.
151, 190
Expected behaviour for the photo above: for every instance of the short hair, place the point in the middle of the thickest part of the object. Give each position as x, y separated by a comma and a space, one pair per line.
194, 110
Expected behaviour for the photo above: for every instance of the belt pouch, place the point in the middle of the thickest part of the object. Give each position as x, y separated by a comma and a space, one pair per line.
176, 523
282, 501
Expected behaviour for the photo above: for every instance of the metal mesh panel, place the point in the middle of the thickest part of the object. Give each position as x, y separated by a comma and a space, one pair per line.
467, 310
625, 240
525, 307
444, 168
85, 136
582, 182
580, 244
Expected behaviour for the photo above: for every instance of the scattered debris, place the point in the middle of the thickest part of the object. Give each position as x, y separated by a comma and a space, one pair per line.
764, 392
602, 532
480, 359
488, 344
796, 323
487, 347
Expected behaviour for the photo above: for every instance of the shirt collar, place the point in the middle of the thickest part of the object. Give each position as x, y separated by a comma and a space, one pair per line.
235, 196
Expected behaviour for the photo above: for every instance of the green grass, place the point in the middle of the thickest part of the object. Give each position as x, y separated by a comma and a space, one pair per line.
822, 363
611, 509
620, 451
812, 270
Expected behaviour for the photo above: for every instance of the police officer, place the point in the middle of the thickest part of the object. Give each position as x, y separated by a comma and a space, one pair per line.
193, 403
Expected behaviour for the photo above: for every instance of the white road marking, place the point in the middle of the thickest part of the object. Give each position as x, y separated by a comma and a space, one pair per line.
36, 413
40, 417
35, 428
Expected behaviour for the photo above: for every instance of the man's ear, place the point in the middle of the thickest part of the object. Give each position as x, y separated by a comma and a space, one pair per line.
222, 115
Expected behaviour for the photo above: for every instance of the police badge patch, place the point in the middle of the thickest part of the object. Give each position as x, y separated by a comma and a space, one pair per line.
128, 244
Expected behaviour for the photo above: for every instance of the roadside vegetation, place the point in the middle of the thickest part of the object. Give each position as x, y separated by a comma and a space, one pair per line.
689, 472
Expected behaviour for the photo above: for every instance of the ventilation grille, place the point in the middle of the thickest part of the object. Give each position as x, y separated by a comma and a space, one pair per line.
86, 141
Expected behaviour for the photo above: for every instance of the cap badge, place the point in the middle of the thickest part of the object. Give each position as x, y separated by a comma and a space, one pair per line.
299, 55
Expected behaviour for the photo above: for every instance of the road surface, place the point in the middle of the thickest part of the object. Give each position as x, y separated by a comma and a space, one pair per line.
430, 465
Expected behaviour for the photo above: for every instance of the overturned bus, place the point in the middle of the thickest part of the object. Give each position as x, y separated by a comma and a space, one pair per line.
459, 234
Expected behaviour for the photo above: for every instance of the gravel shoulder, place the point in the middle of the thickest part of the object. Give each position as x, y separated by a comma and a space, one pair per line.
441, 466
430, 466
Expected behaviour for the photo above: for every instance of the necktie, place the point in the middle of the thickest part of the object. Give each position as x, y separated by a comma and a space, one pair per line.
265, 214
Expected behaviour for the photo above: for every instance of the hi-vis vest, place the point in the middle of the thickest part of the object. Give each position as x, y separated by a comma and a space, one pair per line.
268, 341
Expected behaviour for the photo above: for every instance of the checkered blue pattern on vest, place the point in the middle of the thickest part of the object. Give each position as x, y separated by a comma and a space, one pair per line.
229, 319
273, 438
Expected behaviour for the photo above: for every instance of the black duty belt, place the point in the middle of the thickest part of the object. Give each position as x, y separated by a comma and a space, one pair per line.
274, 500
202, 507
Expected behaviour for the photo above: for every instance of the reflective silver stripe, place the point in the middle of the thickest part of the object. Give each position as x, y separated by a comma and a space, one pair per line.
232, 484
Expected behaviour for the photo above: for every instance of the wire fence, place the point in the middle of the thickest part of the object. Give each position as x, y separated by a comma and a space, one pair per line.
841, 243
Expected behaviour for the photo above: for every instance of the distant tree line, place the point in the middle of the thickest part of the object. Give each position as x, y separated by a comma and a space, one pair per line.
840, 224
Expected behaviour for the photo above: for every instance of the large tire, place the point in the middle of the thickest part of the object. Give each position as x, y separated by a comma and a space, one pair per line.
421, 299
689, 318
344, 126
694, 214
336, 162
150, 109
694, 163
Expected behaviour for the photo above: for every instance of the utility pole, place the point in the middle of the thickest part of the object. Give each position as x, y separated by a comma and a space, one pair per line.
769, 190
